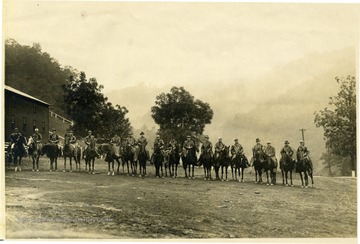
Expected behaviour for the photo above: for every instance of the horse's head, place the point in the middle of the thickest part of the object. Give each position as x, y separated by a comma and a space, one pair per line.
30, 141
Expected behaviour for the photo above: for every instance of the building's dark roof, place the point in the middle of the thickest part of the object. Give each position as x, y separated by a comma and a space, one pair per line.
8, 88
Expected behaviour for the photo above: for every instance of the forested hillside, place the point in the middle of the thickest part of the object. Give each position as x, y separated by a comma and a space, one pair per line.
32, 71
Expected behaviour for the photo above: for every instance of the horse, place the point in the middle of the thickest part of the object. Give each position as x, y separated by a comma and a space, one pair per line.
52, 151
174, 161
238, 165
270, 169
258, 161
158, 159
35, 152
286, 166
18, 152
128, 155
206, 159
142, 157
166, 153
189, 161
225, 162
90, 155
305, 166
71, 151
110, 157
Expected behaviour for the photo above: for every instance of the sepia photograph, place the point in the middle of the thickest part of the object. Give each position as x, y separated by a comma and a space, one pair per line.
179, 121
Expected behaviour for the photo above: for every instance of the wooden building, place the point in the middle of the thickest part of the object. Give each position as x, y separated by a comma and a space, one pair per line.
26, 113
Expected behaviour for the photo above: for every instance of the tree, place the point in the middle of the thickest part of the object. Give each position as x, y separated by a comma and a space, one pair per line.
340, 123
89, 108
30, 70
179, 114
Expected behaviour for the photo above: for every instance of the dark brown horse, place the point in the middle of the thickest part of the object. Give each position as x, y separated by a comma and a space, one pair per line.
238, 165
206, 159
225, 161
270, 169
18, 152
189, 161
258, 161
142, 157
287, 167
52, 151
305, 167
174, 160
127, 157
71, 151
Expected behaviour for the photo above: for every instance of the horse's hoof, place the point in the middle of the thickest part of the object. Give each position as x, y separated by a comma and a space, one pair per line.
64, 170
70, 171
19, 169
15, 169
33, 170
255, 182
157, 177
267, 184
50, 170
227, 180
37, 170
113, 173
313, 185
302, 186
306, 187
140, 176
108, 173
205, 179
189, 178
93, 173
271, 184
292, 185
89, 172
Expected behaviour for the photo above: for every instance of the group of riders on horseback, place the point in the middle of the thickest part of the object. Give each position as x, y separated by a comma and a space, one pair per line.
168, 155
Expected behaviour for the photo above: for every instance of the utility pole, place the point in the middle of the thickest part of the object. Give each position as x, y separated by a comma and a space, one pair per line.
302, 133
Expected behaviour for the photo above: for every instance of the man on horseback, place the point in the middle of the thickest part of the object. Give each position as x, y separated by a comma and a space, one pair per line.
90, 142
54, 138
206, 147
287, 150
14, 137
116, 142
258, 148
37, 137
236, 149
270, 153
142, 142
219, 147
158, 143
70, 137
188, 143
302, 153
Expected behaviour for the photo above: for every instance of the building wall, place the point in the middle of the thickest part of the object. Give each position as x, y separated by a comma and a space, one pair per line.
25, 114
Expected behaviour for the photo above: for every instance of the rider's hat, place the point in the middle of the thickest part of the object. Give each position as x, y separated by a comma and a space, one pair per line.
89, 131
53, 129
188, 136
301, 141
268, 142
236, 139
70, 131
36, 129
142, 133
257, 140
130, 133
206, 136
287, 142
220, 138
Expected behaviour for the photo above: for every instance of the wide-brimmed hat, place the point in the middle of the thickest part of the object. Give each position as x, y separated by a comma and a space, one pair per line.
188, 136
142, 133
268, 142
257, 140
36, 129
53, 129
89, 131
236, 139
206, 136
287, 142
70, 131
301, 141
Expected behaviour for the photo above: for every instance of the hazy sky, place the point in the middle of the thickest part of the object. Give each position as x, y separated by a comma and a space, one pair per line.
122, 43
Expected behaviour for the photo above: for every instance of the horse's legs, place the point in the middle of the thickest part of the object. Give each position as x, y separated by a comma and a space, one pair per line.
162, 170
306, 179
312, 179
193, 168
118, 168
302, 180
70, 164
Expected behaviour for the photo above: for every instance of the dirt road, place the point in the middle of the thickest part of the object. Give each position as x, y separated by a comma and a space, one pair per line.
78, 205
